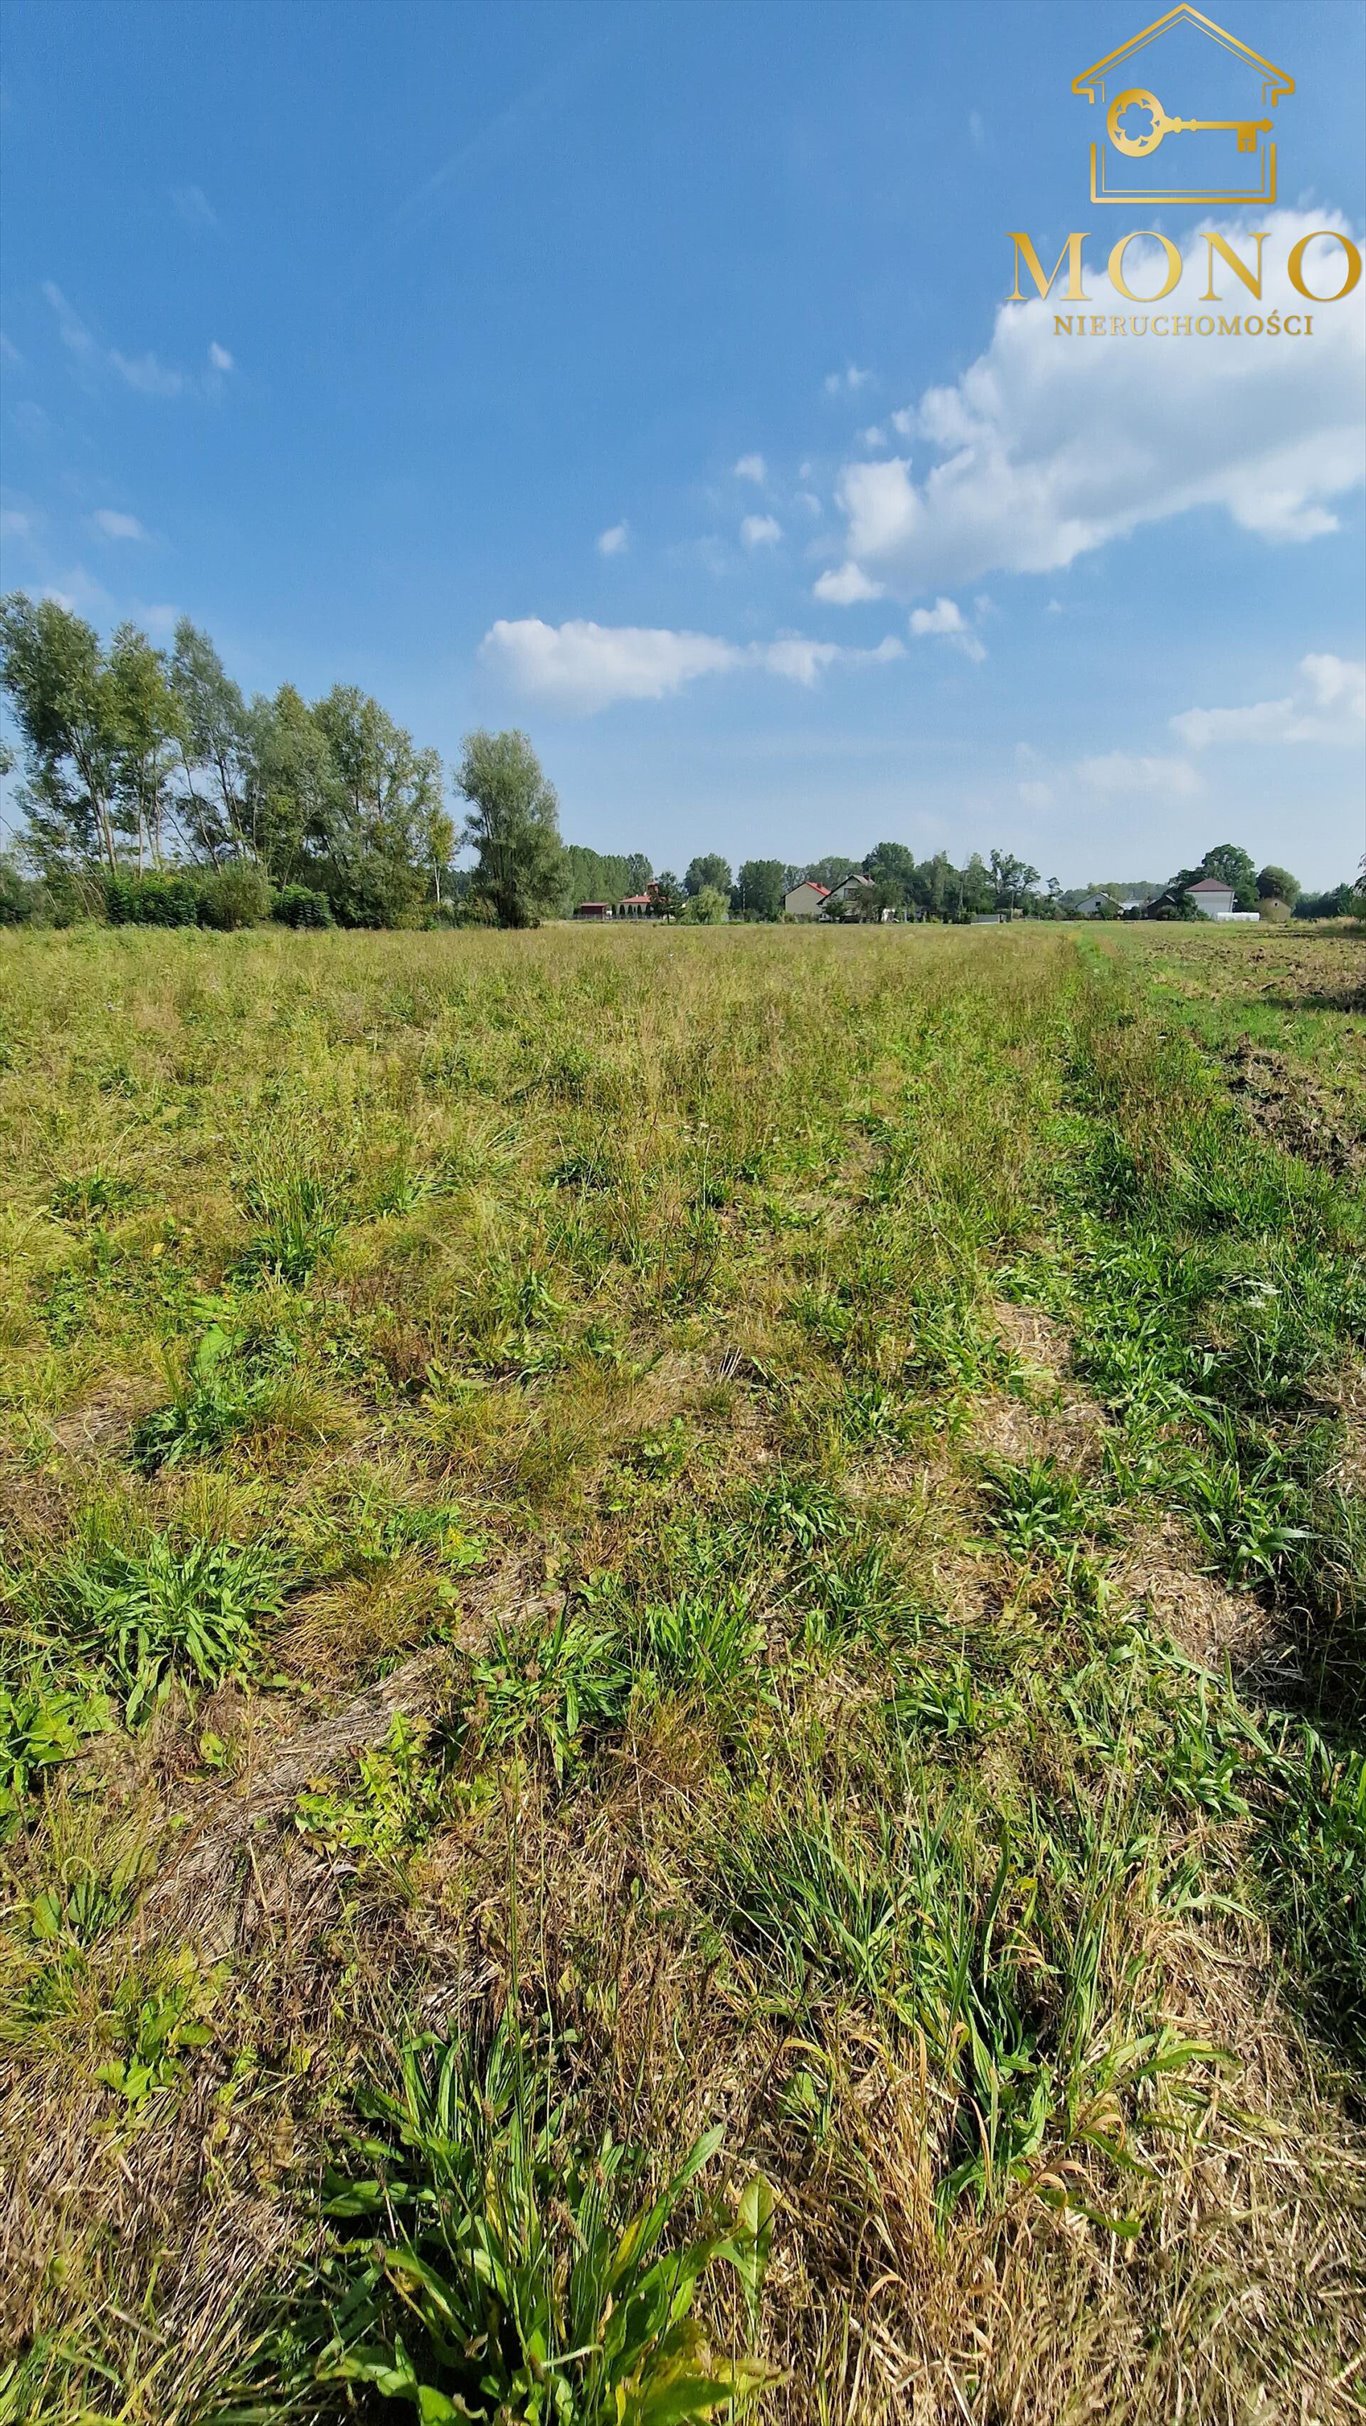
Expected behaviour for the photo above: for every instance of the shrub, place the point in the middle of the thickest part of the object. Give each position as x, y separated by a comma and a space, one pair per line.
234, 896
151, 901
298, 905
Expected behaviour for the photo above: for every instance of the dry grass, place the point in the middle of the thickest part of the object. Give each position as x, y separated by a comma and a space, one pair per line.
690, 1379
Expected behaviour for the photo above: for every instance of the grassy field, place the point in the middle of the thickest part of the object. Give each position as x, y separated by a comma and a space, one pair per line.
684, 1677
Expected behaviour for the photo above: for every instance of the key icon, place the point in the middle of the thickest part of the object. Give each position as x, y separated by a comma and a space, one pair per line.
1138, 147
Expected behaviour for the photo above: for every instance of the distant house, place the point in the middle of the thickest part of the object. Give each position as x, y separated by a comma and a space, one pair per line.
593, 909
806, 900
638, 905
1212, 897
845, 895
1092, 905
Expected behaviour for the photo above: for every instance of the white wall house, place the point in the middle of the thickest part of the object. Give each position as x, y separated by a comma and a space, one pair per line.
846, 892
805, 900
1214, 899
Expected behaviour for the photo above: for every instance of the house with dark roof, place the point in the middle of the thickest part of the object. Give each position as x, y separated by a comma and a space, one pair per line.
845, 896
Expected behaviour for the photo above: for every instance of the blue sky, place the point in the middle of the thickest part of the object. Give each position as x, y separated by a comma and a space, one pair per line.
633, 373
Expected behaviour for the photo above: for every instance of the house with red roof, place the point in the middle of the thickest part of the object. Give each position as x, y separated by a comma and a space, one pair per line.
805, 900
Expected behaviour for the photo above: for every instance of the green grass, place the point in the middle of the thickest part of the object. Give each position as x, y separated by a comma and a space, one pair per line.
851, 1446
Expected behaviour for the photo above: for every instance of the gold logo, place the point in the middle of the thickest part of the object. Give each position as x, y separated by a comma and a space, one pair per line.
1220, 149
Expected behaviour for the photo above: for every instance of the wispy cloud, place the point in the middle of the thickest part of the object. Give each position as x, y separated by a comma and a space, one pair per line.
1118, 773
760, 531
1328, 704
752, 467
848, 381
145, 373
192, 204
113, 525
580, 667
616, 541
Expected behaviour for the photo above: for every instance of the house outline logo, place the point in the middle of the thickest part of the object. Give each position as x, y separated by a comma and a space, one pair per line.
1126, 85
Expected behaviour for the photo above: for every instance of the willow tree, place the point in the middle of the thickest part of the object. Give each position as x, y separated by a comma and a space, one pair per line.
514, 825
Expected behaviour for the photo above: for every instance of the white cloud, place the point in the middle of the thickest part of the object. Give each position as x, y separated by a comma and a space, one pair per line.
752, 467
192, 204
760, 531
614, 542
802, 660
1328, 704
146, 373
1049, 446
848, 381
873, 437
807, 498
581, 666
118, 526
1117, 774
845, 585
944, 621
1036, 794
72, 330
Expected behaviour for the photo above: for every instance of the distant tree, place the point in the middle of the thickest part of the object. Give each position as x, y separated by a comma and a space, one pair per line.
891, 863
829, 871
514, 826
1012, 880
147, 723
1230, 866
1336, 903
638, 871
1277, 884
709, 869
667, 895
977, 890
708, 907
294, 806
214, 738
759, 888
65, 704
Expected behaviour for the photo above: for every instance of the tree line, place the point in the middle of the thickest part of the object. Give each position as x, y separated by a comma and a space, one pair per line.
154, 790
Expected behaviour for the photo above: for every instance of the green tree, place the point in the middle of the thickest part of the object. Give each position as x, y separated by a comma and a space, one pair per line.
708, 907
1012, 880
58, 683
828, 871
513, 824
387, 792
709, 869
215, 737
1277, 884
892, 864
294, 805
1231, 866
668, 895
148, 724
759, 889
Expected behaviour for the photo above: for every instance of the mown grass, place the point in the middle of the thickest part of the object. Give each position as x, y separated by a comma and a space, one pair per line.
858, 1440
